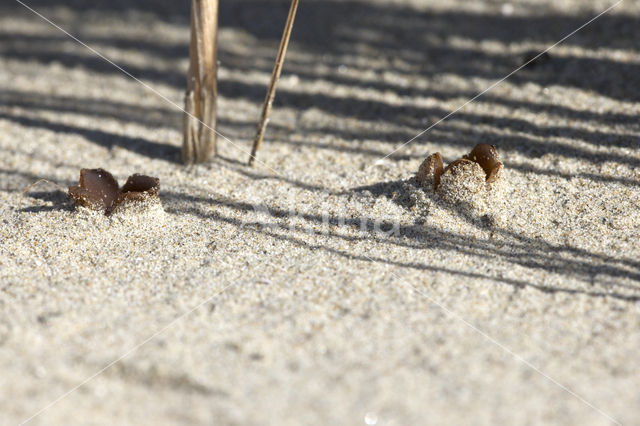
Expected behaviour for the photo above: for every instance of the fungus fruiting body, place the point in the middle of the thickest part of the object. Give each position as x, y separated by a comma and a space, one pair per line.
487, 156
463, 179
98, 190
430, 171
139, 187
483, 155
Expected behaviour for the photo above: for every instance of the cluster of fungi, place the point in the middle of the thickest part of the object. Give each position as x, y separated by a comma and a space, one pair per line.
482, 160
99, 190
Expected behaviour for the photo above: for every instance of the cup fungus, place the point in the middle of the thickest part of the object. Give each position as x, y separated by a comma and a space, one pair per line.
483, 155
139, 187
430, 171
98, 190
487, 156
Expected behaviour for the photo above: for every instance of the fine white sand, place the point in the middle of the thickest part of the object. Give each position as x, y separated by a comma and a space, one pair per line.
328, 288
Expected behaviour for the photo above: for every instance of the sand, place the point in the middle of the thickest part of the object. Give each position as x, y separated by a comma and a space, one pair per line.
323, 286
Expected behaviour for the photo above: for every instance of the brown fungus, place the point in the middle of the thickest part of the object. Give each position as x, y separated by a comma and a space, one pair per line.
494, 173
139, 187
485, 155
462, 180
98, 190
430, 171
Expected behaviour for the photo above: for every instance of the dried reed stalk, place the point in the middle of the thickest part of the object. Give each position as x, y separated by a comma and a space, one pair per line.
199, 142
275, 76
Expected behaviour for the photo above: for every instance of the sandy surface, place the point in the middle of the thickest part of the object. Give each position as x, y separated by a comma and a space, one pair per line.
328, 288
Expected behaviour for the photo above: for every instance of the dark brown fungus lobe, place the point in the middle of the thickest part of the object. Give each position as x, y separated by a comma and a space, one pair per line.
97, 190
493, 174
139, 187
430, 171
487, 157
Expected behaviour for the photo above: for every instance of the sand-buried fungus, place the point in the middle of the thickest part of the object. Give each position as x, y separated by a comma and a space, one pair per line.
139, 187
483, 161
430, 171
98, 190
487, 156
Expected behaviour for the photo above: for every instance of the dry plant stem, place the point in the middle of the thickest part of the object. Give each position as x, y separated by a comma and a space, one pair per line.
199, 142
39, 181
275, 76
